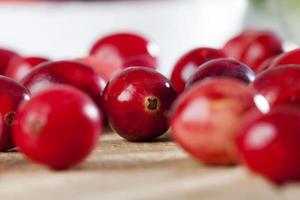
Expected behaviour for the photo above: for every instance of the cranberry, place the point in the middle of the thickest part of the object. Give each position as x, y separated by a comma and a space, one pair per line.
19, 67
253, 47
270, 144
126, 50
65, 72
58, 127
222, 67
188, 64
11, 95
291, 57
137, 102
206, 118
5, 58
279, 85
104, 69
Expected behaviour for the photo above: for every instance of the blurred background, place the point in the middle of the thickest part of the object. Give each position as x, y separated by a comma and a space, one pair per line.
67, 29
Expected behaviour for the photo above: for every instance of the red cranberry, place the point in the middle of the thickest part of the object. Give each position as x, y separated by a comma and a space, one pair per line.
58, 127
5, 58
137, 102
206, 117
19, 67
222, 67
104, 69
291, 57
279, 85
65, 72
11, 95
188, 64
270, 144
126, 50
254, 47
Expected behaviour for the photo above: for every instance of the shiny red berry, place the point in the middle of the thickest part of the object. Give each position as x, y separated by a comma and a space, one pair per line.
58, 127
205, 118
11, 95
19, 67
5, 58
270, 144
222, 67
126, 50
188, 64
253, 47
279, 85
137, 103
65, 72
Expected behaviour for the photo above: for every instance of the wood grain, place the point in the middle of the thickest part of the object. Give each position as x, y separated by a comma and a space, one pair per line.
122, 170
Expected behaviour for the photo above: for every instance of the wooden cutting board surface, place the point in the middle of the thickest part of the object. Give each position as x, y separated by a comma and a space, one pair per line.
122, 170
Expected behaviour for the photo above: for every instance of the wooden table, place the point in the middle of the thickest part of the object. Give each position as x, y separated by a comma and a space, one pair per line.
122, 170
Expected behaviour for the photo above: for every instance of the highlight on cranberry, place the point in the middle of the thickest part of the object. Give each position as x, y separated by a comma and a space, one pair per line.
137, 102
70, 73
58, 127
126, 50
206, 117
222, 67
252, 47
11, 95
188, 64
269, 144
19, 66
